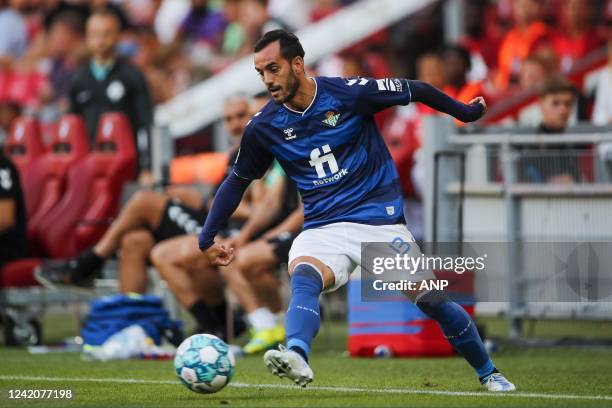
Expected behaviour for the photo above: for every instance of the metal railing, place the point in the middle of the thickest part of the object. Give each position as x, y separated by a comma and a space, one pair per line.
517, 187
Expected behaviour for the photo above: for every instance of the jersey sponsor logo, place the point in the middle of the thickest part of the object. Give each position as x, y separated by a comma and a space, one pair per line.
358, 81
6, 181
330, 179
331, 118
317, 160
394, 85
289, 134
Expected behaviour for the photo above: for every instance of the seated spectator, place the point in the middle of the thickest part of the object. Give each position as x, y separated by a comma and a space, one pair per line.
430, 69
203, 24
147, 218
558, 163
13, 34
255, 21
457, 64
9, 111
13, 243
481, 39
529, 31
233, 35
53, 8
249, 276
533, 74
602, 111
64, 39
578, 35
146, 58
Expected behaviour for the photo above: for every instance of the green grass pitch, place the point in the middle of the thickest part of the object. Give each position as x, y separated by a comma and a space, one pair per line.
545, 377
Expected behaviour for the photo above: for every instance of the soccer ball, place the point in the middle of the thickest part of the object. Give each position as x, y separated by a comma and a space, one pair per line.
204, 363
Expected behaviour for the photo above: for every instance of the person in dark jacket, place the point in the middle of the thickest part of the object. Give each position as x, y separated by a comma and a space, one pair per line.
108, 83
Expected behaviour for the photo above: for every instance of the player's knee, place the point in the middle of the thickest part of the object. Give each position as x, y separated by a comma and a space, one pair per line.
160, 254
241, 260
431, 303
306, 279
137, 241
143, 199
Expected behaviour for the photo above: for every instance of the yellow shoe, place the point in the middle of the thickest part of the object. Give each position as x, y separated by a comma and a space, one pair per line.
265, 339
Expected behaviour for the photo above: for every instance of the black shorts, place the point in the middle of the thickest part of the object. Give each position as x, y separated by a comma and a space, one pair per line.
178, 219
282, 244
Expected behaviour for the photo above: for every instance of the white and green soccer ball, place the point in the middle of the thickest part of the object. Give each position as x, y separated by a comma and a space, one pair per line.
204, 363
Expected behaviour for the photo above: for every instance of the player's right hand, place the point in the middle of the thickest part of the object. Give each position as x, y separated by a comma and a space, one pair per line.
219, 254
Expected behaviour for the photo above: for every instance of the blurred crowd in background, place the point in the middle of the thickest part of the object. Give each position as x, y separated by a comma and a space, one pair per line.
508, 46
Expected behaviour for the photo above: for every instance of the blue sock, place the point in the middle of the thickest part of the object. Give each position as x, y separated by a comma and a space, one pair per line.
303, 320
459, 329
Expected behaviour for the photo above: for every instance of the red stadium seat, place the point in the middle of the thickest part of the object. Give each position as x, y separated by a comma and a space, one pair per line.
19, 273
94, 188
25, 146
48, 176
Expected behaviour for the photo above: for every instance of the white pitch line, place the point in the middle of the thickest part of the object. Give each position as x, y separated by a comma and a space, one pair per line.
322, 388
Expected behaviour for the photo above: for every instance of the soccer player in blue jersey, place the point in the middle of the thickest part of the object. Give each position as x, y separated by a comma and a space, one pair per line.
322, 132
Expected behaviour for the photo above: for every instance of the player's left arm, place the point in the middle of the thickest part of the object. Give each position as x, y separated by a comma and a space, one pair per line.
369, 96
434, 98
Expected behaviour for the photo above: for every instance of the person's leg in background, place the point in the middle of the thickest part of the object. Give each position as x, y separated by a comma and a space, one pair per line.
144, 210
257, 255
267, 288
134, 253
178, 261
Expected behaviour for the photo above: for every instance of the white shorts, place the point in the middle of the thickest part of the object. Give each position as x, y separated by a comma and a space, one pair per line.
338, 246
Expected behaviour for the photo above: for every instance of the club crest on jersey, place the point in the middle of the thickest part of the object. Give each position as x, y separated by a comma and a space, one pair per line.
331, 118
289, 134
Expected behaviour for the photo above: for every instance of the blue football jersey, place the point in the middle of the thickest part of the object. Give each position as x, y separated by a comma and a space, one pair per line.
333, 151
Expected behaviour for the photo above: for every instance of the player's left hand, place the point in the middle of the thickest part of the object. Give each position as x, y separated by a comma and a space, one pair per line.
480, 100
219, 254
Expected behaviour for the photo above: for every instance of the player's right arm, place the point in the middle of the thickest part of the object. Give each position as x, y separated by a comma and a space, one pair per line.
252, 162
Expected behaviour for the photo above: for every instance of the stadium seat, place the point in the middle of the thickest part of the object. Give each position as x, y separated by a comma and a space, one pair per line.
19, 273
24, 146
24, 143
94, 189
48, 176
